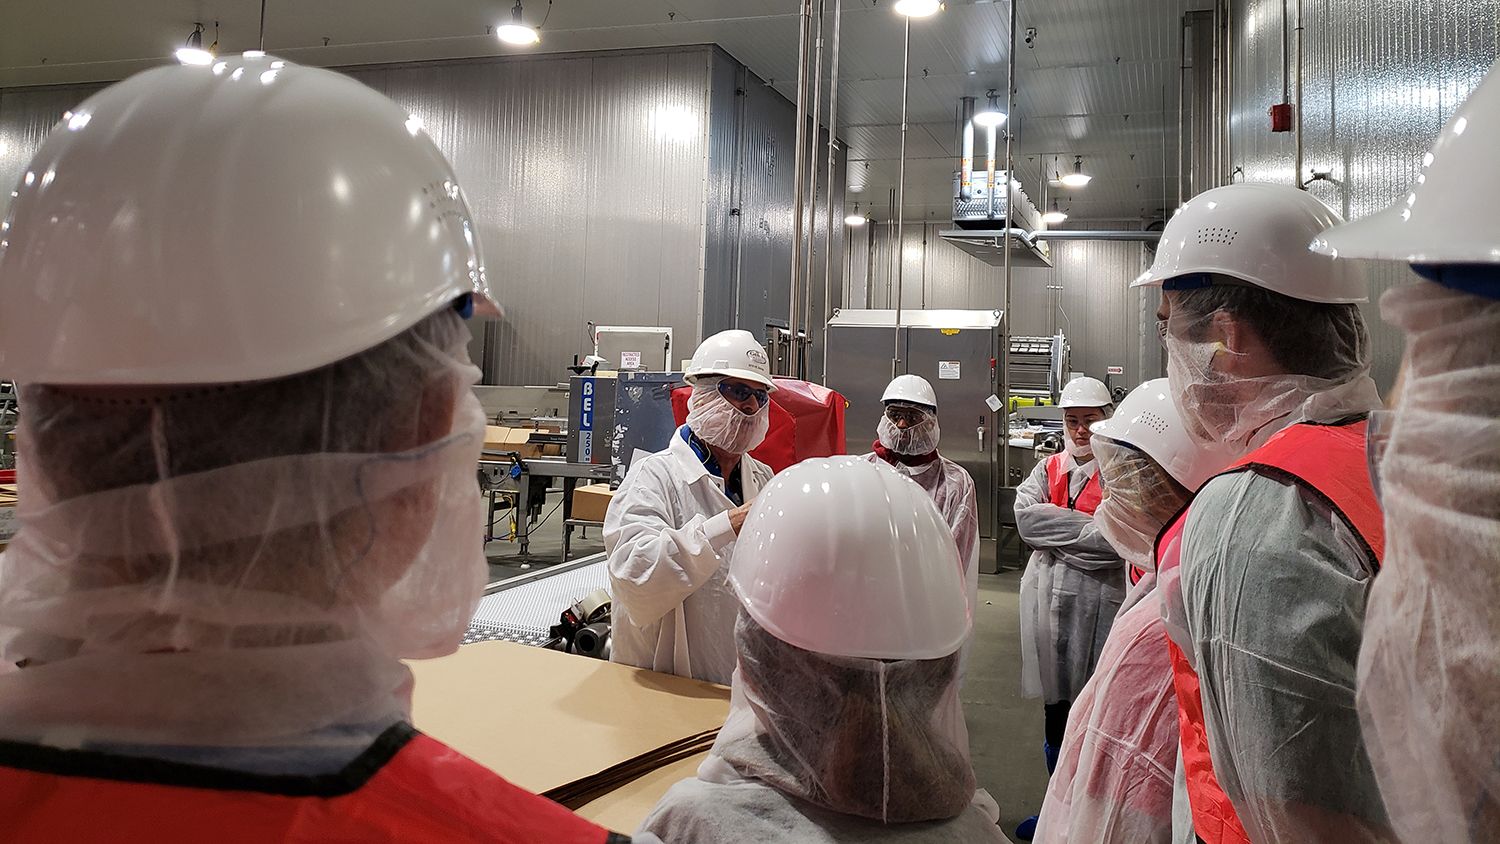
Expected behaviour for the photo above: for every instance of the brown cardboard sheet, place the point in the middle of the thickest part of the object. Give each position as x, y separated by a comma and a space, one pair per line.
545, 719
624, 808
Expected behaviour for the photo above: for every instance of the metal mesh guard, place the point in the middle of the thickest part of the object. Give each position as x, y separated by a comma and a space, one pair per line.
525, 613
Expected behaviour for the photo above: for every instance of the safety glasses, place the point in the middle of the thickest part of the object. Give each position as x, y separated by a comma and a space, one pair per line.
739, 392
908, 415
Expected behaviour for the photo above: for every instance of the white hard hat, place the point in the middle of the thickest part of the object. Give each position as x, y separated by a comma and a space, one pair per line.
1085, 392
844, 557
1148, 420
1447, 217
910, 388
732, 354
242, 221
1257, 233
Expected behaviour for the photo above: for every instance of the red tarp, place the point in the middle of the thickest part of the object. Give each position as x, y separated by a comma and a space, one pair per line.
807, 420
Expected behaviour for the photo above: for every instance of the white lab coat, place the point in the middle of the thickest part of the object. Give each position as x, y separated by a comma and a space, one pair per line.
668, 538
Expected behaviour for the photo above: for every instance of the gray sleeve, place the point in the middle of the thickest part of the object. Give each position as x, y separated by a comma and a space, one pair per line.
1071, 535
1274, 593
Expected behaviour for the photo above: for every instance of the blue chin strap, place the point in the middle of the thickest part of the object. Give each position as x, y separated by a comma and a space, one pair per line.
464, 305
1474, 279
1191, 281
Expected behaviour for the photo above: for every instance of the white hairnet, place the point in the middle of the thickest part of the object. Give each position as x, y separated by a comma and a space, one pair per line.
1113, 782
242, 563
1140, 497
921, 438
1243, 412
721, 424
881, 739
1428, 668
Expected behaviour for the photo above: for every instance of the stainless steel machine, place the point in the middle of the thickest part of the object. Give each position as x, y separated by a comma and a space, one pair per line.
591, 418
1038, 366
956, 351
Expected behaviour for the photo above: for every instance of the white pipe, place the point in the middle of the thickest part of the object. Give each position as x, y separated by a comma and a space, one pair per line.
812, 192
833, 114
901, 195
1003, 432
797, 164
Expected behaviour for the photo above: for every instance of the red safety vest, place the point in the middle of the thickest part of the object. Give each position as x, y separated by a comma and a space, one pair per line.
407, 787
1328, 461
1057, 487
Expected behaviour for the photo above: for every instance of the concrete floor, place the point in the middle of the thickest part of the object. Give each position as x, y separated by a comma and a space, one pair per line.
1005, 730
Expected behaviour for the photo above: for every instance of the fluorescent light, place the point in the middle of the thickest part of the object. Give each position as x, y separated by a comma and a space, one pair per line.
918, 8
854, 220
1054, 217
517, 32
194, 56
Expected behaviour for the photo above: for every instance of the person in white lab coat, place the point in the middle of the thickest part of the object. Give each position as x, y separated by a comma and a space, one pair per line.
670, 529
907, 440
1075, 580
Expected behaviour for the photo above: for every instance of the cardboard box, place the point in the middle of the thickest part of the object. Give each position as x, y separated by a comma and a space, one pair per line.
590, 502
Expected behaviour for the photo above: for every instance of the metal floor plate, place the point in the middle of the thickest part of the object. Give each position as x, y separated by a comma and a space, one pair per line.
523, 609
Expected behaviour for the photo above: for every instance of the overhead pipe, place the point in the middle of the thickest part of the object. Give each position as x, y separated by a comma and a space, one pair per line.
1003, 432
966, 148
901, 193
812, 191
833, 114
1182, 69
797, 180
1081, 234
1297, 108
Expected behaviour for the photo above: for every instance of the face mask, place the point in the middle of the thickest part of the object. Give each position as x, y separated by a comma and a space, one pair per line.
918, 439
722, 425
1219, 408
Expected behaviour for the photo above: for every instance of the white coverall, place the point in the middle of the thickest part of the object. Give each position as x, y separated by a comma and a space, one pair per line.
1269, 604
1073, 586
669, 542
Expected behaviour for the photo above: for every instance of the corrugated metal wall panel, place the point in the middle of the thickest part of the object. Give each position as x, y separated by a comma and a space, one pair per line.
587, 176
1379, 81
1086, 292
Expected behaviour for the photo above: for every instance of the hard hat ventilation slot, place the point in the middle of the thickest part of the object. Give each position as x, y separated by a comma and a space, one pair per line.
1217, 234
1154, 422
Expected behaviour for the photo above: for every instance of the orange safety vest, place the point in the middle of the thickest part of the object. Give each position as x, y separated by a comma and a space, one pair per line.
1088, 498
1329, 462
406, 787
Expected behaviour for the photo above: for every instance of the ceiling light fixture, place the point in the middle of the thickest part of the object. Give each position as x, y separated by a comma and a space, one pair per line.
192, 52
1077, 178
918, 8
517, 32
1054, 216
855, 218
990, 114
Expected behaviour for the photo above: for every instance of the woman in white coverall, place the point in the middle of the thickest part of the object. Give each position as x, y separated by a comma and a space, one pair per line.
1429, 666
1113, 783
671, 527
907, 440
845, 723
1074, 581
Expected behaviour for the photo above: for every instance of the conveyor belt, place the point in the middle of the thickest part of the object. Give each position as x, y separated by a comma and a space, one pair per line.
524, 608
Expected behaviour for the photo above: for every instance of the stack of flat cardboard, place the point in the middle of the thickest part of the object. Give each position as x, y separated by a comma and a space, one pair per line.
608, 738
501, 438
8, 522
